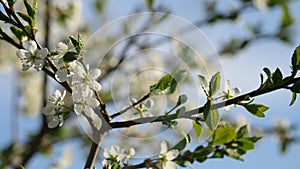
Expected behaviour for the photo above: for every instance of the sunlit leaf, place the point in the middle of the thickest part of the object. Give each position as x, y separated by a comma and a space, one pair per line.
224, 135
256, 109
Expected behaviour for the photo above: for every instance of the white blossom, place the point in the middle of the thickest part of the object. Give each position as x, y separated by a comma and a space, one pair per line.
116, 155
168, 156
31, 56
229, 93
54, 106
85, 78
84, 101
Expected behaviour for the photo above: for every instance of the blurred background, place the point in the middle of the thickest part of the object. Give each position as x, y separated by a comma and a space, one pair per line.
237, 37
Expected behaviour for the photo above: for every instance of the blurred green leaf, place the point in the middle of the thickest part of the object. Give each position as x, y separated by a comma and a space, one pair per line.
286, 17
30, 10
4, 17
214, 84
243, 132
206, 108
198, 128
18, 32
181, 145
70, 56
27, 18
212, 119
149, 4
256, 109
181, 100
233, 153
296, 59
294, 97
296, 87
245, 144
224, 135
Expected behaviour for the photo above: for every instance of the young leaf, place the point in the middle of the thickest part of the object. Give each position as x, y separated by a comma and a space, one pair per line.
18, 32
29, 9
296, 59
268, 72
294, 97
206, 108
181, 99
70, 56
224, 135
4, 17
203, 81
245, 144
296, 87
214, 84
256, 109
277, 76
162, 84
26, 18
212, 119
197, 128
181, 145
243, 132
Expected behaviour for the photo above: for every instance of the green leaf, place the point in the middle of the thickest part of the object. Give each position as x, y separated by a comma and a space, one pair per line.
4, 17
296, 87
296, 59
245, 144
286, 18
11, 3
294, 97
18, 32
277, 76
168, 84
214, 84
212, 119
203, 81
181, 145
243, 132
70, 56
149, 4
206, 108
181, 100
224, 135
201, 153
26, 18
77, 43
197, 128
268, 72
256, 109
254, 139
30, 10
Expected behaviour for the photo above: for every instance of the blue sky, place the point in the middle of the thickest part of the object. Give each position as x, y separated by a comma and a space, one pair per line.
242, 70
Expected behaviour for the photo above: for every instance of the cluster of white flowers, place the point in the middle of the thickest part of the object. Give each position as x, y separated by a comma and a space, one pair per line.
54, 108
115, 155
82, 78
65, 69
31, 56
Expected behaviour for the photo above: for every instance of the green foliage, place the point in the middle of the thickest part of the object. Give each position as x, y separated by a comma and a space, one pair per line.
31, 11
77, 43
214, 84
181, 100
296, 59
182, 144
70, 56
286, 18
198, 128
168, 84
294, 97
296, 87
27, 18
224, 135
4, 17
18, 32
212, 119
256, 109
243, 132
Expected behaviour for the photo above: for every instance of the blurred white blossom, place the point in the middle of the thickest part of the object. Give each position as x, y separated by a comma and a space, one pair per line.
115, 155
229, 93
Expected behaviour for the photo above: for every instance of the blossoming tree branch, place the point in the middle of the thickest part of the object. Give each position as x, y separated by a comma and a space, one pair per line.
81, 95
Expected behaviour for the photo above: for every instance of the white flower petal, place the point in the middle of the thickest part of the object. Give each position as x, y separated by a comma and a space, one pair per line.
61, 75
93, 102
80, 71
94, 73
53, 122
172, 154
78, 109
88, 111
163, 147
21, 53
227, 86
97, 121
42, 53
26, 66
32, 46
170, 165
95, 86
